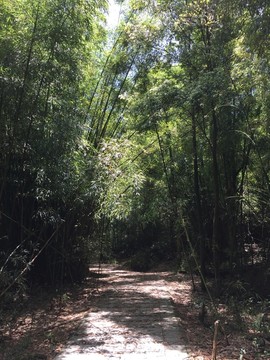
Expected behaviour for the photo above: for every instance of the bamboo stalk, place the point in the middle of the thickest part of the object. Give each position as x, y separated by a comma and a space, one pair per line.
214, 352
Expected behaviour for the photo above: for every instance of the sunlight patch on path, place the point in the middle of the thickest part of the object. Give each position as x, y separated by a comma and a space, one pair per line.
134, 319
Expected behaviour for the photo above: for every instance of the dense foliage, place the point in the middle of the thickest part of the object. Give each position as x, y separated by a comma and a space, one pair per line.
47, 48
149, 141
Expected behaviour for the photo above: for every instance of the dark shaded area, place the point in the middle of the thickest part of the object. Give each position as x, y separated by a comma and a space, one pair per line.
35, 326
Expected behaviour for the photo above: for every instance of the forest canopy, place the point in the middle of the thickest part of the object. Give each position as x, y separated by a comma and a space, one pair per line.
149, 141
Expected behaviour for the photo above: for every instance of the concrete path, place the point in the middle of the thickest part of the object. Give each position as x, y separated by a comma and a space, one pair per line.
133, 320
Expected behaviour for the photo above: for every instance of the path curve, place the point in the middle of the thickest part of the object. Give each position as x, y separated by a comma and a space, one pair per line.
133, 320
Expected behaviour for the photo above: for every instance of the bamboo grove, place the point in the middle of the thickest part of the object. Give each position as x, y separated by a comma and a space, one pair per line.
149, 141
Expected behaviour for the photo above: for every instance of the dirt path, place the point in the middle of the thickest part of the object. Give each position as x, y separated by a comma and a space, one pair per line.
133, 319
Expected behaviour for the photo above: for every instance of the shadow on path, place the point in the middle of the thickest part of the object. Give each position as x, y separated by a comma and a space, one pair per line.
134, 319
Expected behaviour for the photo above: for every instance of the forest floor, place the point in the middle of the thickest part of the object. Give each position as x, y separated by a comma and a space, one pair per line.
40, 327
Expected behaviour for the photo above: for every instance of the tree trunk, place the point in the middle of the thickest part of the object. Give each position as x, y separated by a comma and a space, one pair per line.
217, 228
198, 198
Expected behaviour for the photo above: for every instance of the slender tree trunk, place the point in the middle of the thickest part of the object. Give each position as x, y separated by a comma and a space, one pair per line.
174, 232
217, 228
217, 225
26, 73
198, 197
